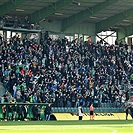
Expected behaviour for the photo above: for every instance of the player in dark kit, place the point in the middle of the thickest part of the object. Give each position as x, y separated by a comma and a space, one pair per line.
131, 111
127, 111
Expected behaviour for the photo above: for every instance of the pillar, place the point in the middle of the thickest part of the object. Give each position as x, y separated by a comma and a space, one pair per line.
121, 36
62, 35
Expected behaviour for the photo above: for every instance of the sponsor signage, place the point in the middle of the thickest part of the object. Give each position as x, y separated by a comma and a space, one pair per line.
97, 116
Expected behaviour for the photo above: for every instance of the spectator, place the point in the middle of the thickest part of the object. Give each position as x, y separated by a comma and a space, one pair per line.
39, 113
4, 111
25, 112
15, 112
48, 112
20, 112
1, 39
10, 112
35, 112
14, 90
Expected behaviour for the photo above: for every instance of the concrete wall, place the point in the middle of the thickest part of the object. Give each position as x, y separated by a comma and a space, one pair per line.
81, 28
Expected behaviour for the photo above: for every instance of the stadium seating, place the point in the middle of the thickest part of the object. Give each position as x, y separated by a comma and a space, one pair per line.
86, 110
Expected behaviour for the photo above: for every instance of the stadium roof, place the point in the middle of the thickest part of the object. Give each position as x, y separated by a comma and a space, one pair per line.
106, 14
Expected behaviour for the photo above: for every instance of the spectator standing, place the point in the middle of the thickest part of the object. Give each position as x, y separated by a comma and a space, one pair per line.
14, 90
4, 111
20, 112
39, 113
1, 39
48, 112
10, 112
35, 112
25, 112
14, 112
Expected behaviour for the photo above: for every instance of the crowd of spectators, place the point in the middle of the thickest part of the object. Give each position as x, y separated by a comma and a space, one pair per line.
67, 74
16, 22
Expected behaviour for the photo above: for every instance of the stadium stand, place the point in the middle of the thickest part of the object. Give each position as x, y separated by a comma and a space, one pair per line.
85, 74
67, 74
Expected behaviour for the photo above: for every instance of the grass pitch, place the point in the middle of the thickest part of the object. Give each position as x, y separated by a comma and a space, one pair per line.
96, 126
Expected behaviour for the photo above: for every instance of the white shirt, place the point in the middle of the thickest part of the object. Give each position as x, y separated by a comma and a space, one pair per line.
79, 111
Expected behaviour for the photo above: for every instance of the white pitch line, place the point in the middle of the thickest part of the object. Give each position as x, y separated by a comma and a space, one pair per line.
115, 131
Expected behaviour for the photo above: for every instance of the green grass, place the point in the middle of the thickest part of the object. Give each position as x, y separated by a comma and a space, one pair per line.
98, 126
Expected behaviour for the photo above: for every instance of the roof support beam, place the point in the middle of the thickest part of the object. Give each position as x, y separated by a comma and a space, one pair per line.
103, 39
10, 6
103, 25
86, 13
47, 11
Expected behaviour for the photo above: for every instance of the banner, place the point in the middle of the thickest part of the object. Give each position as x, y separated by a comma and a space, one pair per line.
97, 116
